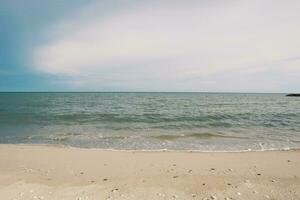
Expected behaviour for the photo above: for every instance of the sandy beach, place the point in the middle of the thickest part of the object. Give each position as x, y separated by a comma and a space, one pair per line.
48, 172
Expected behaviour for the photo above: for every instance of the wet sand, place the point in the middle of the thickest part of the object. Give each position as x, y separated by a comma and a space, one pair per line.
48, 172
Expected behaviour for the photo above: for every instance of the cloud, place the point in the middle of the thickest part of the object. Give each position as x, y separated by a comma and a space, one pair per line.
176, 45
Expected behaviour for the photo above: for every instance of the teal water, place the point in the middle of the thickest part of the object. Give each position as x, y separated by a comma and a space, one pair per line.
152, 121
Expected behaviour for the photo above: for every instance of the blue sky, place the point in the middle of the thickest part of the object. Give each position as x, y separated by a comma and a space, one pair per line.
82, 45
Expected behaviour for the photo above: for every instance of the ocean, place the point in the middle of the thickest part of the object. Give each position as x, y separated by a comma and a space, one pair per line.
152, 121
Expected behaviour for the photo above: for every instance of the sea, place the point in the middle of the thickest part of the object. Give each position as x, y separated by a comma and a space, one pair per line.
152, 121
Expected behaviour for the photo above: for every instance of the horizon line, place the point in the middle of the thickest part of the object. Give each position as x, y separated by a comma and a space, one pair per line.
145, 92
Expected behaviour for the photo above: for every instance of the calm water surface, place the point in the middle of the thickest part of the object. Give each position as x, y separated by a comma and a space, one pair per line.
151, 121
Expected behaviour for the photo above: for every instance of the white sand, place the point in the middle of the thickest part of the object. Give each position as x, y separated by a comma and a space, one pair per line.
44, 172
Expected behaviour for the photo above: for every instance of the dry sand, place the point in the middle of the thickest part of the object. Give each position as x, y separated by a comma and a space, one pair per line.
45, 172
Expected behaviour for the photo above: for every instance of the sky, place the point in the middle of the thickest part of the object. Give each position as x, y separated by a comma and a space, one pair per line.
141, 45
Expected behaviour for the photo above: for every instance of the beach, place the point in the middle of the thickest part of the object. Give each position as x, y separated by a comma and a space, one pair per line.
58, 172
149, 100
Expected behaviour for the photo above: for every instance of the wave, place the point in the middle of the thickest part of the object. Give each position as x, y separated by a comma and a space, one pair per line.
197, 135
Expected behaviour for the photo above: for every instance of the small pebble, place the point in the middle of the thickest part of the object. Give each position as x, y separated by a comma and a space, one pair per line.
258, 174
193, 195
114, 190
175, 176
213, 197
238, 193
105, 179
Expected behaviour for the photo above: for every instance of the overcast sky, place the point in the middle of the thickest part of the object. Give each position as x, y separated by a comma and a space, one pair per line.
165, 45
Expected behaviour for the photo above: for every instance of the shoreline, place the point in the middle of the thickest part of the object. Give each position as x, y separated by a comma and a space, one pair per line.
59, 172
151, 150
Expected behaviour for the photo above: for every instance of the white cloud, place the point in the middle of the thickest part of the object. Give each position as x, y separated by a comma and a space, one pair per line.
177, 45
